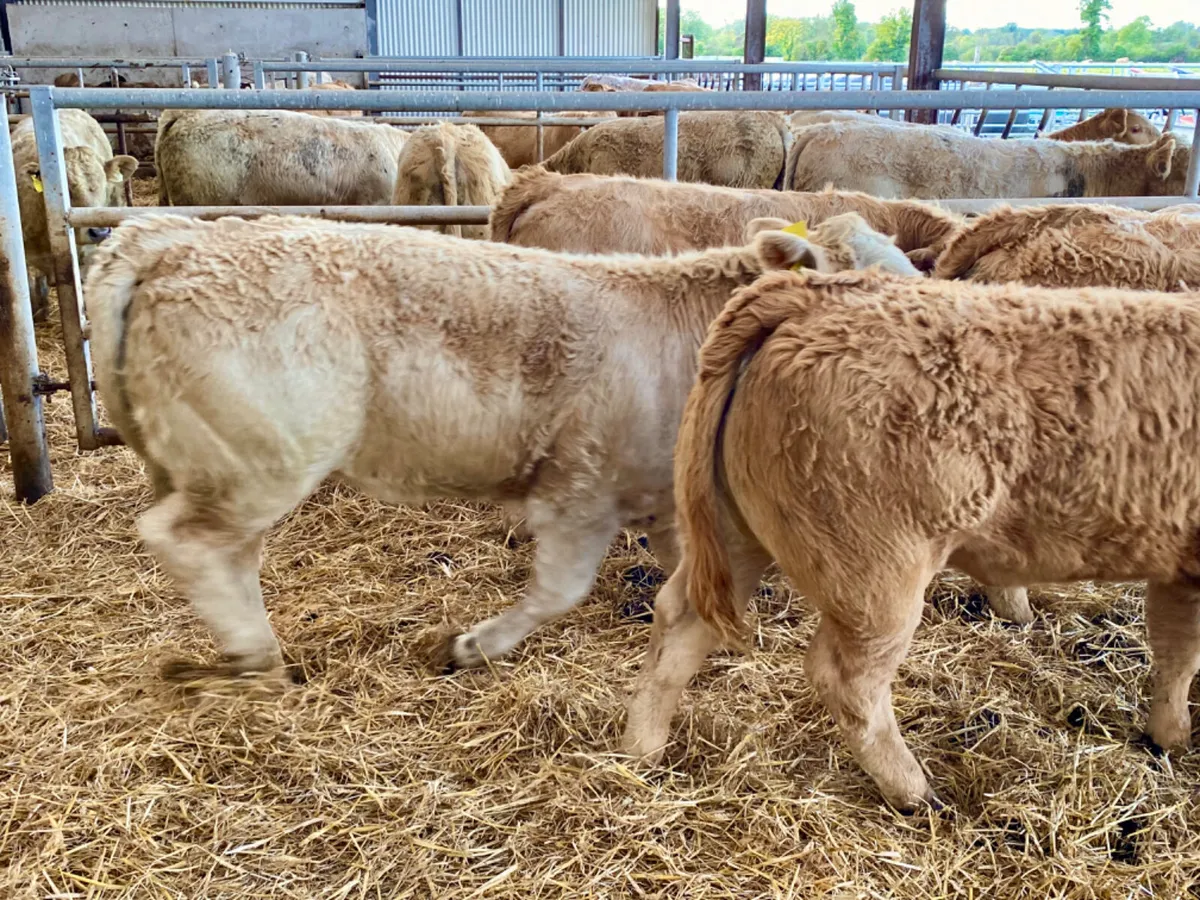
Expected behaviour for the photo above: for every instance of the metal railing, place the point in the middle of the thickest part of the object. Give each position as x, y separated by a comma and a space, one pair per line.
23, 385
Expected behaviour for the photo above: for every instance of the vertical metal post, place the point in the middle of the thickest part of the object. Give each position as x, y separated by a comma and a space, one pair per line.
755, 50
260, 77
925, 51
214, 72
1172, 119
897, 85
66, 271
185, 72
1191, 185
123, 148
670, 143
231, 72
541, 129
671, 31
301, 56
26, 429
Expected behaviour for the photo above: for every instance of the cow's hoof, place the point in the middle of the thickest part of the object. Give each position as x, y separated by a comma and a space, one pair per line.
931, 802
459, 651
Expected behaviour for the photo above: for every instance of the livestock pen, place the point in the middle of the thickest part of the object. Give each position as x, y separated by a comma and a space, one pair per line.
368, 774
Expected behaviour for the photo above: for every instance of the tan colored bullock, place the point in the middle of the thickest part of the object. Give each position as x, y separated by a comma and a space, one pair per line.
939, 163
737, 149
1019, 434
450, 165
1078, 246
1121, 125
599, 214
94, 178
246, 362
518, 143
216, 157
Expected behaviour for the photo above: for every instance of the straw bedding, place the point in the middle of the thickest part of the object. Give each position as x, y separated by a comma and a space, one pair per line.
368, 775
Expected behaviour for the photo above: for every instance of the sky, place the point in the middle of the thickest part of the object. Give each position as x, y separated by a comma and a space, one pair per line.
969, 13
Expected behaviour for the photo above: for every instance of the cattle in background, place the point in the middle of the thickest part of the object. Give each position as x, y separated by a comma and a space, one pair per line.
450, 165
1078, 246
273, 157
94, 178
939, 163
1121, 125
598, 214
246, 362
518, 143
865, 431
738, 149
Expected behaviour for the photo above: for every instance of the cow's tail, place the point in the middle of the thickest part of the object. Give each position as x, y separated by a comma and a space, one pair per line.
166, 120
785, 136
444, 160
799, 140
529, 185
923, 227
747, 321
118, 268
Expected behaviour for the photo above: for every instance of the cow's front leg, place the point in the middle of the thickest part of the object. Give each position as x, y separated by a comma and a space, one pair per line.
570, 547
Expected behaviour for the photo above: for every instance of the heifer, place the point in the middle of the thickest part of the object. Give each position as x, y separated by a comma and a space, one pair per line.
518, 143
1016, 433
450, 165
940, 163
620, 84
596, 214
1078, 246
248, 361
1121, 125
272, 157
94, 178
738, 149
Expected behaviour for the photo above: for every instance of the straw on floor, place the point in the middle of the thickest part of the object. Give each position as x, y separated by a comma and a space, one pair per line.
376, 777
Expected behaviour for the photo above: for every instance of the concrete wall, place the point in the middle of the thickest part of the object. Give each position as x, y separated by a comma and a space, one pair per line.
129, 32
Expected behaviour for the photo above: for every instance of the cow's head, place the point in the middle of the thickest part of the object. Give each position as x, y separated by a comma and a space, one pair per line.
840, 242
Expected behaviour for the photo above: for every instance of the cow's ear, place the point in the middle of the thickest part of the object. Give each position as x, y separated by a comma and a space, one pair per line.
780, 250
1122, 120
763, 223
1160, 157
120, 168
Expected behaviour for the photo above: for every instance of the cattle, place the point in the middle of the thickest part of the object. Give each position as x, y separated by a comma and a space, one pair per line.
928, 163
1122, 125
865, 431
1078, 246
805, 117
598, 214
642, 86
273, 157
94, 178
450, 165
335, 113
246, 362
737, 149
518, 143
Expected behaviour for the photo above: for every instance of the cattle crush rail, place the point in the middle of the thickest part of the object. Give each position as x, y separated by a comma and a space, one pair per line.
23, 384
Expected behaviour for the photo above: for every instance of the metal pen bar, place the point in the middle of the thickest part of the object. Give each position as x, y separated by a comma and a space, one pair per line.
1116, 82
1192, 180
487, 101
66, 271
231, 72
214, 73
670, 144
20, 404
111, 216
568, 65
260, 78
982, 206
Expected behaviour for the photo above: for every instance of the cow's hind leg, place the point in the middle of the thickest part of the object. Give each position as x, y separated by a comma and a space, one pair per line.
864, 633
1173, 626
570, 548
1010, 603
215, 563
680, 641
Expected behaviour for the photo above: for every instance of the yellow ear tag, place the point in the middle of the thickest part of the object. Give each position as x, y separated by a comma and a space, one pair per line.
37, 183
800, 229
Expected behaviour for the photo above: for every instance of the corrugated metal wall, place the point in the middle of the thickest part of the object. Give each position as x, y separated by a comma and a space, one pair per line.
516, 27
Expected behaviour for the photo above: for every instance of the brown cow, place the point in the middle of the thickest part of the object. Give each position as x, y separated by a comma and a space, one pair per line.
246, 362
1078, 246
518, 143
738, 149
883, 428
450, 165
940, 163
1121, 125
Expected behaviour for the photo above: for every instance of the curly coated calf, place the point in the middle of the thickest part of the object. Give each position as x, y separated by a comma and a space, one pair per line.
1019, 434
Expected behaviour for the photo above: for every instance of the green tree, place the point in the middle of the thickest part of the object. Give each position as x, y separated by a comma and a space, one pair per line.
785, 37
892, 37
847, 42
1091, 13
